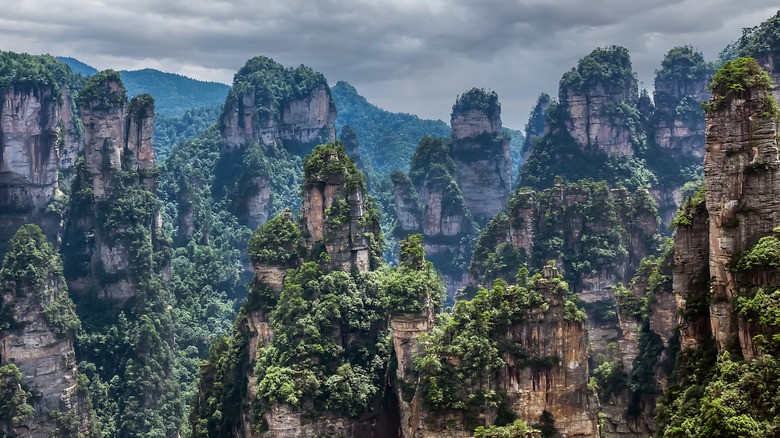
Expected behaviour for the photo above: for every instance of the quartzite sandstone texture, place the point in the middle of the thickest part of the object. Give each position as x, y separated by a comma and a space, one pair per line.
37, 142
483, 165
306, 121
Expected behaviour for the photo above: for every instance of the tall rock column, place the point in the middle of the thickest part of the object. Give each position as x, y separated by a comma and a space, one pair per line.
741, 178
117, 181
36, 335
481, 153
599, 97
36, 143
334, 211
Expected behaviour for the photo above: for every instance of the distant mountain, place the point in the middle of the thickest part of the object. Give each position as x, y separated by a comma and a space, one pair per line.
387, 140
173, 94
78, 66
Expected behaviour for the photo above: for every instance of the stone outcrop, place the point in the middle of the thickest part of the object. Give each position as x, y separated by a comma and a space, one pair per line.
308, 120
598, 101
37, 142
272, 113
118, 153
560, 390
451, 188
334, 211
39, 339
676, 127
742, 192
536, 126
547, 380
483, 166
338, 229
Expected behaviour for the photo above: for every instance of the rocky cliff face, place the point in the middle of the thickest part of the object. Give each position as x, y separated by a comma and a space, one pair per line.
483, 166
270, 104
599, 101
453, 187
39, 326
541, 368
308, 120
676, 127
36, 143
274, 115
337, 234
741, 189
118, 157
334, 211
431, 203
560, 390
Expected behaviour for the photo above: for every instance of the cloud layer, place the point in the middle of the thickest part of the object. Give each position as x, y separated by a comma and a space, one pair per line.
406, 55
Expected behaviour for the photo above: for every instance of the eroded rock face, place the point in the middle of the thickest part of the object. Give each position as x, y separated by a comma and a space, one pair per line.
742, 184
405, 330
551, 380
47, 361
483, 165
591, 123
306, 121
692, 273
32, 152
560, 390
332, 214
118, 152
39, 326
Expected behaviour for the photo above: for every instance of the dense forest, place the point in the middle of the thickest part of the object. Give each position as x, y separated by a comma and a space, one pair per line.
279, 258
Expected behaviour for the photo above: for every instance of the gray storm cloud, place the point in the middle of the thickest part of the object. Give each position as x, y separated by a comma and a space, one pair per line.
406, 55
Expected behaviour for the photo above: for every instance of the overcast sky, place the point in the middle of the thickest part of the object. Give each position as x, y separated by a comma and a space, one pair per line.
404, 55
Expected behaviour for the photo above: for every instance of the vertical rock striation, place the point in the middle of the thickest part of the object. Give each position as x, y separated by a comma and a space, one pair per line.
38, 329
742, 183
481, 153
598, 100
118, 157
38, 143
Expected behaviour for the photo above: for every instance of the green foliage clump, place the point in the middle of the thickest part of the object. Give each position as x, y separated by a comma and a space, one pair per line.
609, 377
517, 429
690, 208
33, 267
431, 151
15, 409
465, 352
739, 401
141, 106
737, 77
763, 256
477, 99
415, 286
276, 242
608, 66
762, 311
306, 365
683, 65
103, 91
330, 162
36, 71
757, 42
